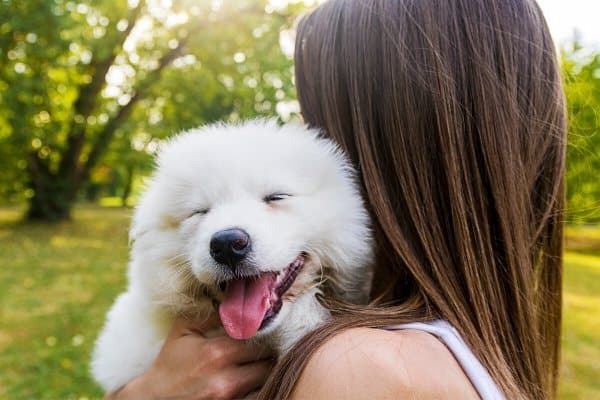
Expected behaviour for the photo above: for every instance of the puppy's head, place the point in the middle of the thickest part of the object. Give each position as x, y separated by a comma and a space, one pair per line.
256, 214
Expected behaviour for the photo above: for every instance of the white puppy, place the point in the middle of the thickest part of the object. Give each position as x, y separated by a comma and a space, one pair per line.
253, 218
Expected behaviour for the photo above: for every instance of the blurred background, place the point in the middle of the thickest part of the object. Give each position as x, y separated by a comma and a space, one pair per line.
89, 89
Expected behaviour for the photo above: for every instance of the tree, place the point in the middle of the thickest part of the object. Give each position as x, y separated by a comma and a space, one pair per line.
582, 86
83, 83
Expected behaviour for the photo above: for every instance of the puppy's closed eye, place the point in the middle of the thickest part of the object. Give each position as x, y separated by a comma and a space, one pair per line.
275, 197
200, 211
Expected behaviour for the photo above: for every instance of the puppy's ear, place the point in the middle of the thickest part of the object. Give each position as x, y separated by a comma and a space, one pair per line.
146, 216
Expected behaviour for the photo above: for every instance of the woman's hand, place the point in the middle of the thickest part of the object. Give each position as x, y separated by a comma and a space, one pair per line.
193, 366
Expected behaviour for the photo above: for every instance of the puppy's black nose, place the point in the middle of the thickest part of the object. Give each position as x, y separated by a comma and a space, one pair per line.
229, 246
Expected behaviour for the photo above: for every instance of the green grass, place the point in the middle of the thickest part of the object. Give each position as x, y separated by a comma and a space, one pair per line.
57, 282
580, 370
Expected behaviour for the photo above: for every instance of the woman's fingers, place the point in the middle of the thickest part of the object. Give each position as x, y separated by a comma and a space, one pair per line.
223, 351
192, 364
239, 381
186, 326
241, 352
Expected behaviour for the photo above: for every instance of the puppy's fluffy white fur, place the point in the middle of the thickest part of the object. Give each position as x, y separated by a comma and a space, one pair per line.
227, 170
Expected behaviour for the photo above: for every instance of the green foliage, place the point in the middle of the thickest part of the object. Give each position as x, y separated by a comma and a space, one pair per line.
30, 85
57, 282
88, 85
582, 86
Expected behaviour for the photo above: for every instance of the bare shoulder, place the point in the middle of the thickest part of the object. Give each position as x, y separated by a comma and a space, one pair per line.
372, 363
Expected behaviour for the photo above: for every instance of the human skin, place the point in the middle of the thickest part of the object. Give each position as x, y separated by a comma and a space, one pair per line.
377, 364
367, 363
195, 365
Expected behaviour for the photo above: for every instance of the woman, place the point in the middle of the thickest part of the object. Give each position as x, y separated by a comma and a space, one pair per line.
454, 114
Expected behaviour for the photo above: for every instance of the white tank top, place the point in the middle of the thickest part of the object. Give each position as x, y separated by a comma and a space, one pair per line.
475, 371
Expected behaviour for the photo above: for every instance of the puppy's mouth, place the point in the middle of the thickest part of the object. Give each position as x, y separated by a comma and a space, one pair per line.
251, 303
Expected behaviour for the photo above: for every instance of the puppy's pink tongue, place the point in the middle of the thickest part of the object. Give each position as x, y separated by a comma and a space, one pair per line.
244, 305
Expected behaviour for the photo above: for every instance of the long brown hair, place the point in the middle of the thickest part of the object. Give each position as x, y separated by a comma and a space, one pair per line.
454, 114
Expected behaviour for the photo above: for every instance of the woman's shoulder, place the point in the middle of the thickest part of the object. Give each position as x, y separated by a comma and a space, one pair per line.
373, 363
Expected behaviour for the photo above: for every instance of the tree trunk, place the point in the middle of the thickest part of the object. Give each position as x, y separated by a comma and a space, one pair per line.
128, 186
54, 192
51, 200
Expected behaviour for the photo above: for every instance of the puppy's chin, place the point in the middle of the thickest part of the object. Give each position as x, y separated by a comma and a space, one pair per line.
300, 311
281, 298
295, 320
275, 324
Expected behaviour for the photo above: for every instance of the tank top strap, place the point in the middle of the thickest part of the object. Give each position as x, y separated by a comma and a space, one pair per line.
475, 371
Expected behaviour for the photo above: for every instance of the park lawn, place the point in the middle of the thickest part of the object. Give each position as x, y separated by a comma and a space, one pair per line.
57, 282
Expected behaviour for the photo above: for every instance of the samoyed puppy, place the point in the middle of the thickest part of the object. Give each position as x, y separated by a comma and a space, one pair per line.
251, 219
